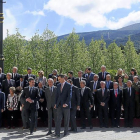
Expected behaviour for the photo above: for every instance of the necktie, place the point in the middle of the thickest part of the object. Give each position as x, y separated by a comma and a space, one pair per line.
103, 75
31, 90
102, 92
61, 87
94, 86
13, 75
82, 91
116, 93
129, 92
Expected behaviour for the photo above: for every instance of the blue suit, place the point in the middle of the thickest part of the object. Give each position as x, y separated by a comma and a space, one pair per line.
63, 97
89, 78
2, 105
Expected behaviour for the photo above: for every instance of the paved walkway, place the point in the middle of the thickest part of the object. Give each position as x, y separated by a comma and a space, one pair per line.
87, 134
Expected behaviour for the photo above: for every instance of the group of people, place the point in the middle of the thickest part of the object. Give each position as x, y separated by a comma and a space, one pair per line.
66, 97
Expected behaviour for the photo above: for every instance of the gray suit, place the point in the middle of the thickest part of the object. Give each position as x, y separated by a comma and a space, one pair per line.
50, 96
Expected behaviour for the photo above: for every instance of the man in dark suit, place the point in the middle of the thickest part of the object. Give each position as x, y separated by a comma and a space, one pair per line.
55, 81
103, 96
28, 75
94, 85
30, 96
103, 73
62, 105
109, 83
54, 73
7, 83
75, 105
70, 74
50, 94
77, 80
84, 75
15, 75
21, 82
89, 76
129, 104
85, 97
2, 106
42, 113
2, 77
116, 102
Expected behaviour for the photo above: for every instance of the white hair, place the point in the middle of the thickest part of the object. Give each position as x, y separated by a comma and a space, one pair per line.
102, 82
103, 66
82, 81
51, 80
9, 74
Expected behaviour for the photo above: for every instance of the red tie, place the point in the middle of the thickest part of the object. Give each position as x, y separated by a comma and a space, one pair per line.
116, 93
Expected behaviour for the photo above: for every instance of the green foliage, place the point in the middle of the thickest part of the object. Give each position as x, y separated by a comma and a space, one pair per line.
45, 52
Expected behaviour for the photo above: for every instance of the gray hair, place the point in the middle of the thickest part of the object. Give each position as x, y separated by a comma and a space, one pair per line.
51, 80
10, 74
115, 83
102, 82
108, 75
82, 81
103, 66
96, 75
135, 77
55, 70
15, 68
129, 81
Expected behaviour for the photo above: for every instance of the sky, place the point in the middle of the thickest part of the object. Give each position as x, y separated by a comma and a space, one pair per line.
61, 16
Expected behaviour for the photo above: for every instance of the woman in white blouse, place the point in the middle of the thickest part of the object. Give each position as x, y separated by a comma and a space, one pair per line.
12, 107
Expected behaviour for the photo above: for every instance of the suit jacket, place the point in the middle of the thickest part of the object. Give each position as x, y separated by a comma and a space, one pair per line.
127, 99
44, 81
110, 85
100, 76
77, 82
50, 97
24, 83
90, 78
75, 100
16, 78
6, 86
34, 96
72, 79
26, 77
51, 75
64, 96
115, 101
56, 83
2, 100
42, 96
87, 96
2, 77
92, 84
104, 98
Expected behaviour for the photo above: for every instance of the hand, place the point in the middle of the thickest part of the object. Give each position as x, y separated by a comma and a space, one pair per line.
91, 106
65, 105
28, 99
54, 106
78, 107
94, 90
41, 100
22, 105
2, 110
10, 109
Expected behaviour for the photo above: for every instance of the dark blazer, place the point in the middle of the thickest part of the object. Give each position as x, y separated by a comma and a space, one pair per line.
50, 97
56, 83
26, 77
77, 83
24, 83
2, 100
16, 78
75, 100
90, 78
5, 86
64, 96
115, 101
72, 79
3, 77
87, 96
104, 98
42, 96
34, 96
110, 85
100, 76
92, 84
127, 99
51, 75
